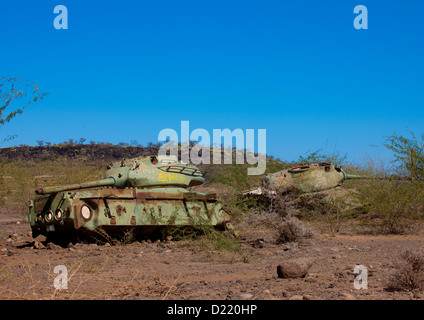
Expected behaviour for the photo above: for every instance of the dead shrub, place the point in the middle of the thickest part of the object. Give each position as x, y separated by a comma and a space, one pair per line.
285, 229
273, 200
283, 201
291, 229
410, 272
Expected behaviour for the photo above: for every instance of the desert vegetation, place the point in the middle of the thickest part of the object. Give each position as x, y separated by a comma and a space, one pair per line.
409, 272
391, 204
281, 224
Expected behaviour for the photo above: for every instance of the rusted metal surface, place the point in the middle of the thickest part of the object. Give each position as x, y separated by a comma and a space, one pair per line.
137, 192
120, 210
85, 185
304, 178
312, 177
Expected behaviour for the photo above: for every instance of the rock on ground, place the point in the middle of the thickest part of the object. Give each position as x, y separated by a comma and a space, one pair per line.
294, 268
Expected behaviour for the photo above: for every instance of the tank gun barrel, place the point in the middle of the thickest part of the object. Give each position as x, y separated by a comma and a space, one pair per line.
84, 185
354, 176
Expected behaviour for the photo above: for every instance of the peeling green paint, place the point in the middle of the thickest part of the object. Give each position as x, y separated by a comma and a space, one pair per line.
144, 191
309, 177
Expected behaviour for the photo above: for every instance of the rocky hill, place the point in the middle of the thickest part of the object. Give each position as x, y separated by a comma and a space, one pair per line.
92, 152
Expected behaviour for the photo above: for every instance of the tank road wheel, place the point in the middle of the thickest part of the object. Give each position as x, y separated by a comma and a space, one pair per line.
228, 226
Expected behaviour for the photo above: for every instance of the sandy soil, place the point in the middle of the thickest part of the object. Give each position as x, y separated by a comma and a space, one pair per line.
173, 270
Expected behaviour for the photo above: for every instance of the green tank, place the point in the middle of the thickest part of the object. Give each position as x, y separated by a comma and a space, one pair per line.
310, 177
145, 194
304, 178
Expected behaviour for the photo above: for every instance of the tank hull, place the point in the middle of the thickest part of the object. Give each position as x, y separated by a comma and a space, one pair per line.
84, 212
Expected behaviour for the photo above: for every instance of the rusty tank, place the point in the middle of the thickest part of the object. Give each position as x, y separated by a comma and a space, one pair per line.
304, 178
145, 194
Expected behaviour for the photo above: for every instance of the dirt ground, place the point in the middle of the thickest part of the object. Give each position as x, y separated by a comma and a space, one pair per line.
173, 270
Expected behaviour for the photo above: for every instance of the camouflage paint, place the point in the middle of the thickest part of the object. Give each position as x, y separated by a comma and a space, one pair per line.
147, 191
309, 177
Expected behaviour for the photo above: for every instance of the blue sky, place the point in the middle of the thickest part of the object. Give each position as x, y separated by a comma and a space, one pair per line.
124, 70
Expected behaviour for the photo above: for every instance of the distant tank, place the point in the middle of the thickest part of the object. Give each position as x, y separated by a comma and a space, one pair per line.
146, 193
304, 178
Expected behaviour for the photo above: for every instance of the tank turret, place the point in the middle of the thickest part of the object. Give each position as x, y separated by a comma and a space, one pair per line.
305, 178
311, 177
140, 173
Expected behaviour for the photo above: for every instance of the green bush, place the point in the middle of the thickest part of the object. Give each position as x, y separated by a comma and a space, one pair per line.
320, 156
409, 155
393, 206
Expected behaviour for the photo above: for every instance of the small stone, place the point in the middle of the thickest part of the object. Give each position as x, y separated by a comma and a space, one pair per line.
7, 252
107, 244
348, 296
246, 296
266, 291
40, 238
258, 243
18, 222
169, 238
294, 268
29, 234
53, 247
38, 245
296, 297
286, 247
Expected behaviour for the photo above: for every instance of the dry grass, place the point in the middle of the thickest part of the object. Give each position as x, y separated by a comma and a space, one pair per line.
284, 229
19, 179
393, 206
291, 229
30, 282
409, 275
